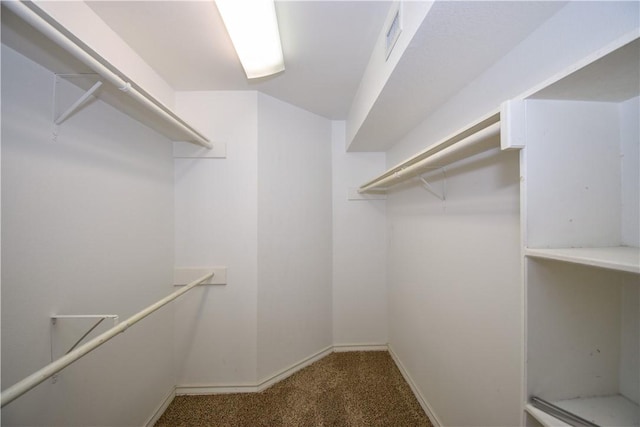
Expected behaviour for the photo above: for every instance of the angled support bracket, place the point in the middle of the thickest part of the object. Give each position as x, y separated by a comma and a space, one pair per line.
60, 118
56, 343
427, 186
76, 105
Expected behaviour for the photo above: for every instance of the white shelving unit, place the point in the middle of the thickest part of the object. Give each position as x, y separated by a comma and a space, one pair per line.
580, 215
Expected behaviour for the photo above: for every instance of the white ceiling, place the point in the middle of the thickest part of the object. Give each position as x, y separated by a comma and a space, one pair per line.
326, 46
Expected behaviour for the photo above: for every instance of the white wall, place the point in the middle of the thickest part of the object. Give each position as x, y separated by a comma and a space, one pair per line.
454, 291
629, 137
359, 249
216, 214
455, 301
294, 235
87, 229
265, 213
556, 131
380, 67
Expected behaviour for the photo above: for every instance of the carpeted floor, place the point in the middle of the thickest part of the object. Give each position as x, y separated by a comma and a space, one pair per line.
342, 389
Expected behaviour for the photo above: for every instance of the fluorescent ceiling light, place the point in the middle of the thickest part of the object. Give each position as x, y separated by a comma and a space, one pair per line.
253, 28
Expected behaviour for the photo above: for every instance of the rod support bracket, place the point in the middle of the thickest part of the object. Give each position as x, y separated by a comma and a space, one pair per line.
430, 188
56, 351
59, 118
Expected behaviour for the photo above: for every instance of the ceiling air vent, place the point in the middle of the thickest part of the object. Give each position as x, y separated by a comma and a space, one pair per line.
393, 31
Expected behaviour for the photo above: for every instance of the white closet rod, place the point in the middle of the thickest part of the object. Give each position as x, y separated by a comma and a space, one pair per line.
18, 389
42, 25
413, 167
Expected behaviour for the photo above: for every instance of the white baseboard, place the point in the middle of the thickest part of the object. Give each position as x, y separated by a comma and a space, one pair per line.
269, 381
423, 402
202, 389
252, 388
161, 408
339, 348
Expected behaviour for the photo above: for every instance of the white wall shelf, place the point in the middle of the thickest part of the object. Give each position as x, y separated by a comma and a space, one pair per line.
613, 410
620, 258
543, 418
604, 411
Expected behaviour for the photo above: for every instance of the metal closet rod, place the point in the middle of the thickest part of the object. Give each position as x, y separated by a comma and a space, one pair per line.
20, 388
54, 34
400, 173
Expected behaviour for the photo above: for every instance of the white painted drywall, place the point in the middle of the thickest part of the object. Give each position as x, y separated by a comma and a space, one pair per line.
629, 137
87, 229
294, 235
568, 204
566, 198
359, 249
265, 213
380, 67
454, 290
78, 18
455, 302
216, 214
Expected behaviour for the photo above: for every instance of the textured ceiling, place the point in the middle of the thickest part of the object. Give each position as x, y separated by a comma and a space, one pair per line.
457, 41
326, 45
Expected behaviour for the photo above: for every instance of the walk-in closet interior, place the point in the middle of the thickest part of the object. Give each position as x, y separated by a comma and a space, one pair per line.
455, 183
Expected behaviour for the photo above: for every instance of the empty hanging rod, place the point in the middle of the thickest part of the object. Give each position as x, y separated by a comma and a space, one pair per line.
413, 166
20, 388
57, 36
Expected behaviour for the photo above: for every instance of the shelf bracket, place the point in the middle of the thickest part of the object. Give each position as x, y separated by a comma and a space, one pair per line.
427, 186
55, 351
59, 119
76, 105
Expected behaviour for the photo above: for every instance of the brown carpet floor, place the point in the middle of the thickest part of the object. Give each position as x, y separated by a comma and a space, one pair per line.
342, 389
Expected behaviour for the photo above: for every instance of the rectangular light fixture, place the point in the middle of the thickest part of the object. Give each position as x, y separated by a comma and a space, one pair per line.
253, 28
